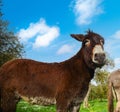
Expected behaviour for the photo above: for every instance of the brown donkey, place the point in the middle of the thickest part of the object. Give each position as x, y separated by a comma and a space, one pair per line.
64, 84
114, 91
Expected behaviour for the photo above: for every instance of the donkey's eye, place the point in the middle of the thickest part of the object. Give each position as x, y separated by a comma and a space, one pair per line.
87, 42
101, 42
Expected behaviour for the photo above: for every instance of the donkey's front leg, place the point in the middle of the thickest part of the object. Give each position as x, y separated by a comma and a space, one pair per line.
62, 107
61, 110
74, 107
63, 102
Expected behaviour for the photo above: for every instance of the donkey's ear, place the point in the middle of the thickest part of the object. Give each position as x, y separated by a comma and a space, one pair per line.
78, 37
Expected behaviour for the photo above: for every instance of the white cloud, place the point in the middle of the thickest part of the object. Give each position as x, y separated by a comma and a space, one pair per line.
47, 38
116, 35
86, 9
65, 49
41, 32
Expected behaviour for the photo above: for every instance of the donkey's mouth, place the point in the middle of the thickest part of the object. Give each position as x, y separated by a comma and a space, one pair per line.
99, 64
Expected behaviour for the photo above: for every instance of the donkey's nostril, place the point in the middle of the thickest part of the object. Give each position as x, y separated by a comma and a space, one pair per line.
96, 55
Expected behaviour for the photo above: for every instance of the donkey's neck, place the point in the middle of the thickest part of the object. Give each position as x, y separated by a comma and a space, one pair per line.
79, 64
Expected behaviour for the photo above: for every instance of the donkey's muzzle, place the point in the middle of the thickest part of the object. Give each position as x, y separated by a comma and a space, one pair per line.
99, 58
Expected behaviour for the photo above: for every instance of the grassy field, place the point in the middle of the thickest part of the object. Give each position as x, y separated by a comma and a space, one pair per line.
95, 106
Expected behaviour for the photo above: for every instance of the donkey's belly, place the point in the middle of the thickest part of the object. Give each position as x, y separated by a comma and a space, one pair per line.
41, 100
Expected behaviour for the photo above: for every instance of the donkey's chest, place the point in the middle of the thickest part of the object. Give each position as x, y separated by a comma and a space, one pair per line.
80, 92
79, 97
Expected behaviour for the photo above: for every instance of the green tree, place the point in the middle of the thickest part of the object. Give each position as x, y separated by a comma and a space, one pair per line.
10, 46
101, 79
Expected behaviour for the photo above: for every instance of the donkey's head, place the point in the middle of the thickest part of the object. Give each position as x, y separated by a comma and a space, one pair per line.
92, 49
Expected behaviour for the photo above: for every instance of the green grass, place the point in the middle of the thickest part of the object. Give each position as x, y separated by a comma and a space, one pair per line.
95, 106
26, 107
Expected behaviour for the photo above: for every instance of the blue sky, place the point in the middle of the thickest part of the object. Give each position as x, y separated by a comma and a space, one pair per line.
44, 26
